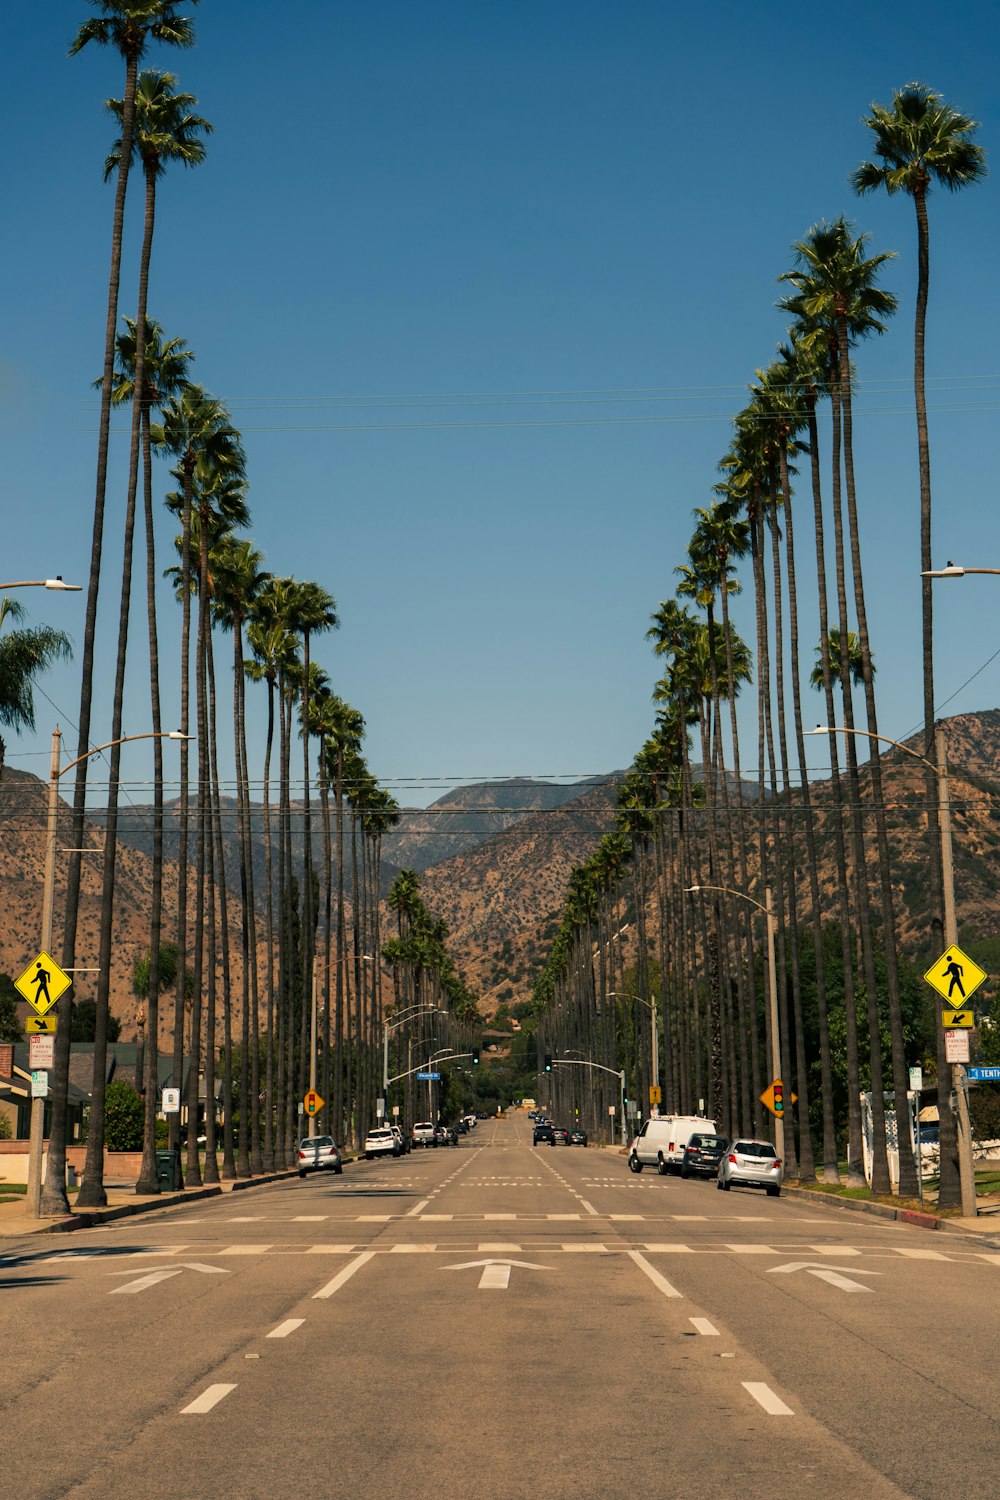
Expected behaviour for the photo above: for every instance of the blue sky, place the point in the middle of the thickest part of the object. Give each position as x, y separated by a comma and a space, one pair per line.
483, 286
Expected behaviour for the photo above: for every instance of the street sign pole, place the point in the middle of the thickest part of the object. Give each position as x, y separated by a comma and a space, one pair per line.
966, 1169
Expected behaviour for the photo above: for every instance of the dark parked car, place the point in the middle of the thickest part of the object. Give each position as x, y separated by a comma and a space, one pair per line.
578, 1137
445, 1135
702, 1155
462, 1127
543, 1134
560, 1135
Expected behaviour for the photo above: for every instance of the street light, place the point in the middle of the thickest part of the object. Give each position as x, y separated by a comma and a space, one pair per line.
654, 1031
953, 570
966, 1168
57, 1195
772, 986
409, 1014
44, 583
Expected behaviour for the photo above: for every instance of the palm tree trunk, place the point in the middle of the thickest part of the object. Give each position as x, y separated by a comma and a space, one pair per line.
270, 1119
900, 1073
54, 1199
228, 1154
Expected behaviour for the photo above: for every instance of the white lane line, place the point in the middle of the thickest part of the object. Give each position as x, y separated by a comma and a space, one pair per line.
374, 1219
627, 1218
246, 1219
660, 1282
436, 1218
418, 1208
207, 1400
589, 1207
343, 1276
310, 1218
765, 1397
991, 1260
585, 1249
833, 1250
702, 1325
562, 1216
690, 1218
494, 1279
497, 1248
751, 1249
915, 1254
412, 1250
244, 1250
284, 1329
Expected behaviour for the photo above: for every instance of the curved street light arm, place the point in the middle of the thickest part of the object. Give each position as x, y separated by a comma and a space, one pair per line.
886, 740
692, 890
163, 734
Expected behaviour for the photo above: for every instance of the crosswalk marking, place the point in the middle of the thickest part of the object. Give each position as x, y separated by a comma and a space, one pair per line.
915, 1253
752, 1249
495, 1248
244, 1250
585, 1249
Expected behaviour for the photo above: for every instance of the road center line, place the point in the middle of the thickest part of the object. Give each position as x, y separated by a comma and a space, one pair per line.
284, 1329
343, 1276
589, 1207
417, 1208
765, 1397
207, 1400
660, 1282
702, 1325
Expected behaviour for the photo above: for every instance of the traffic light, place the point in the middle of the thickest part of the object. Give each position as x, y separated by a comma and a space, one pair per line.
548, 1062
475, 1057
779, 1098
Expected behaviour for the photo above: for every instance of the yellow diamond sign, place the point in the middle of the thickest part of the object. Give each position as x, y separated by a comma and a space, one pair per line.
42, 983
955, 976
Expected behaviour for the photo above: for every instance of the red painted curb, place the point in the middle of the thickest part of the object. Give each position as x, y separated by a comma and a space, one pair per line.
914, 1216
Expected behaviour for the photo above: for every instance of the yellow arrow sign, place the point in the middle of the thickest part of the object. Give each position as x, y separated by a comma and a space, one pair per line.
955, 976
42, 983
39, 1025
313, 1103
950, 1019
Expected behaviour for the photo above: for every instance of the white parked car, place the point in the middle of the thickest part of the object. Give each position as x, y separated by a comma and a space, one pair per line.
381, 1142
660, 1143
471, 1121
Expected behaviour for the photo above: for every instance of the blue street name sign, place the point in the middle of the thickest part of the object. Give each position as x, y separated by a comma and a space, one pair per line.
984, 1075
433, 1077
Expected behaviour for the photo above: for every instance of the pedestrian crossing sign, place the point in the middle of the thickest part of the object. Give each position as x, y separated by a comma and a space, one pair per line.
42, 983
956, 977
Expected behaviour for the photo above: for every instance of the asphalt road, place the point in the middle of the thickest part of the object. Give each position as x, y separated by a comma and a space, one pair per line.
499, 1321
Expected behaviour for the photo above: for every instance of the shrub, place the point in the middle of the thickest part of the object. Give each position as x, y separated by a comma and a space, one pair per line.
123, 1117
6, 1131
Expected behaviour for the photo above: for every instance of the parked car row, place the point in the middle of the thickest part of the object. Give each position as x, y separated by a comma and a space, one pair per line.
690, 1146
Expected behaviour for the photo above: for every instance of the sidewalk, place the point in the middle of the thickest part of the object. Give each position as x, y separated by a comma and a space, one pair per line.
123, 1202
987, 1222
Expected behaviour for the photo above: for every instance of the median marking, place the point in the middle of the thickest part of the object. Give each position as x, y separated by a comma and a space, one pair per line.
702, 1325
765, 1397
343, 1276
209, 1398
660, 1282
284, 1329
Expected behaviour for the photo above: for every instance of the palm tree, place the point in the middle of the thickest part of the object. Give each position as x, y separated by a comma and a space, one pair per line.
855, 666
920, 139
23, 655
128, 26
836, 281
196, 429
238, 578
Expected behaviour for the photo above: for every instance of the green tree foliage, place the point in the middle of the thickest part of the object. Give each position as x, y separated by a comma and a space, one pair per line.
123, 1115
10, 1030
85, 1021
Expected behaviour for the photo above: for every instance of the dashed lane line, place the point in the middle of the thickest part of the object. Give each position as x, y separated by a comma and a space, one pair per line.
765, 1397
703, 1326
343, 1276
284, 1329
660, 1282
208, 1398
416, 1210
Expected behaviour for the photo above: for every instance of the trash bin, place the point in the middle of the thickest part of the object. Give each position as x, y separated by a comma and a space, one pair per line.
168, 1171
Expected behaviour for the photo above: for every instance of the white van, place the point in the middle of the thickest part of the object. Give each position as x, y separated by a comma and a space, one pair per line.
660, 1143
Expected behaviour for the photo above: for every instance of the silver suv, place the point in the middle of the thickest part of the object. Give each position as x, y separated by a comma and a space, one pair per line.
751, 1164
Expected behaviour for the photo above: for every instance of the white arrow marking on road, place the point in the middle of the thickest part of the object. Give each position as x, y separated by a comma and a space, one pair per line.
830, 1274
496, 1273
163, 1273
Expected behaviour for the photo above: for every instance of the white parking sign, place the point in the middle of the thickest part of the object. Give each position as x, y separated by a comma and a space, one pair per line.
171, 1103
